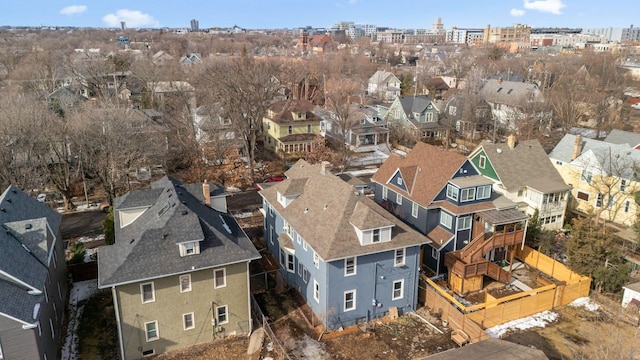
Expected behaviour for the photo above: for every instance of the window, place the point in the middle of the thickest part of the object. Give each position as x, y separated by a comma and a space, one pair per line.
384, 193
187, 321
468, 194
304, 245
398, 257
627, 206
398, 290
349, 300
399, 181
414, 210
298, 238
316, 260
185, 283
583, 195
452, 192
482, 161
464, 223
349, 266
219, 278
221, 315
452, 110
434, 253
290, 129
599, 200
558, 162
147, 293
283, 261
53, 333
586, 176
445, 219
399, 199
623, 185
305, 275
271, 232
189, 248
611, 202
309, 128
484, 192
291, 263
151, 330
316, 291
375, 236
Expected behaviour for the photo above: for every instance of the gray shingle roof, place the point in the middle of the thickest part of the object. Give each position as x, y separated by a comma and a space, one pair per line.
526, 164
25, 222
147, 248
623, 137
323, 211
564, 149
512, 93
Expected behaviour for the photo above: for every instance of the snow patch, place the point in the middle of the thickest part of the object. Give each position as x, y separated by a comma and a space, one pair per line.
80, 291
85, 239
243, 215
226, 227
586, 303
536, 320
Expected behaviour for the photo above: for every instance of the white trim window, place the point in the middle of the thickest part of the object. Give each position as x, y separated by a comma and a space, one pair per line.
581, 195
316, 260
305, 275
316, 291
151, 332
222, 314
271, 233
147, 293
350, 300
484, 192
398, 290
586, 176
375, 236
300, 266
384, 193
304, 245
219, 278
414, 209
398, 199
445, 219
627, 206
464, 223
291, 263
185, 283
434, 253
399, 257
482, 161
350, 264
188, 321
468, 194
623, 185
599, 200
452, 192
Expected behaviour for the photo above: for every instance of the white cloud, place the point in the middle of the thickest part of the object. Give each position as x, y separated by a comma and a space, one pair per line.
550, 6
517, 12
73, 9
133, 18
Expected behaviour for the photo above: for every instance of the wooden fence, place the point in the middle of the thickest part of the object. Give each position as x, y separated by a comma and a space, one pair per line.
474, 319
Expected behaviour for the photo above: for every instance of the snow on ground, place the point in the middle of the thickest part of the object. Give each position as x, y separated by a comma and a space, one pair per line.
362, 172
80, 291
85, 239
536, 320
586, 303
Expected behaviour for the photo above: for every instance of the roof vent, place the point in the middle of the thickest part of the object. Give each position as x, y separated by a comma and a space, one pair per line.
3, 209
9, 201
325, 206
131, 241
184, 212
28, 226
306, 210
14, 191
499, 151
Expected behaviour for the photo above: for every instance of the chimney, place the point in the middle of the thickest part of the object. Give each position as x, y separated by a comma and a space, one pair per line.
511, 141
500, 80
206, 192
325, 167
577, 148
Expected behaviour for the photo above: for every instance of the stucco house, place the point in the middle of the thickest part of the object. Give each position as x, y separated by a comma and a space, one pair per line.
522, 172
33, 278
290, 126
602, 176
442, 195
384, 85
179, 268
349, 258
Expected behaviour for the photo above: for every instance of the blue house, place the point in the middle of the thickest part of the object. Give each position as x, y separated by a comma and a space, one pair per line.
442, 195
349, 258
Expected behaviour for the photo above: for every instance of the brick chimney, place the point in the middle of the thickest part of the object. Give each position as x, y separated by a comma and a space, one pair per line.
500, 80
577, 148
206, 192
511, 141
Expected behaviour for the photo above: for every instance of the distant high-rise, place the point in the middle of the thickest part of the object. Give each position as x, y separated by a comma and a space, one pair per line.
194, 25
123, 25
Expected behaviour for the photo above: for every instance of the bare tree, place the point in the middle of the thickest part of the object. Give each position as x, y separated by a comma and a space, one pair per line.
338, 100
244, 87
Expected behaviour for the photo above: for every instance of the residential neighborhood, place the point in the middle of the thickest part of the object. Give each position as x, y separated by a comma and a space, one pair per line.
350, 191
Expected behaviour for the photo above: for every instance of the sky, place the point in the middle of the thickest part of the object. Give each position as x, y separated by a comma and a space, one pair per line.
270, 14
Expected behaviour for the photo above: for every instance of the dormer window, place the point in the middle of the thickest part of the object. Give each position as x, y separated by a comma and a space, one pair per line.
468, 194
189, 248
375, 236
452, 192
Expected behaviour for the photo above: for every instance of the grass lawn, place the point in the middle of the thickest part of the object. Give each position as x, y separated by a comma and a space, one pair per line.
97, 331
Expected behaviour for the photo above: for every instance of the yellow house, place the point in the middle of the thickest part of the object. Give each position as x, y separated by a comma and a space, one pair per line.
290, 127
602, 176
